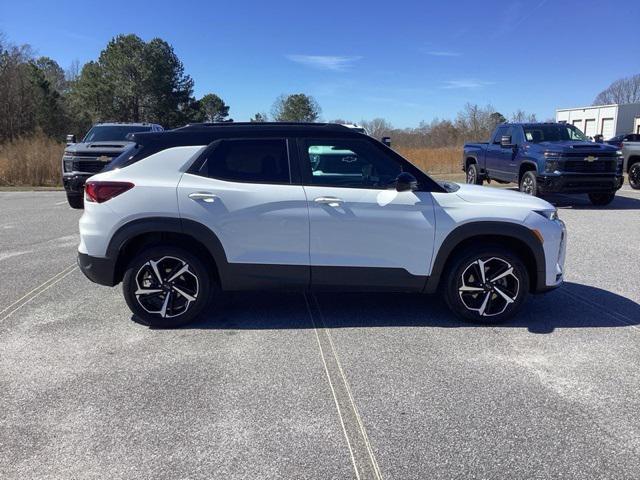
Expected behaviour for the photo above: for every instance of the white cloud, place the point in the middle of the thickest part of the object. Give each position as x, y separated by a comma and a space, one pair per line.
324, 62
466, 83
443, 53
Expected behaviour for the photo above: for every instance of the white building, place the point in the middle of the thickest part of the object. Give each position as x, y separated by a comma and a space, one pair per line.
636, 125
606, 120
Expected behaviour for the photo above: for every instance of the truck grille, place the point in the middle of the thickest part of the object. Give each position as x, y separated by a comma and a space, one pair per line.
597, 166
90, 163
90, 166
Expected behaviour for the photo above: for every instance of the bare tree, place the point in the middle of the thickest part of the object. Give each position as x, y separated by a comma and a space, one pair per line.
624, 90
523, 117
377, 128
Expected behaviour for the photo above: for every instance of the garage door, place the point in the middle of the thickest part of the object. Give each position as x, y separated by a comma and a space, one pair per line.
607, 128
577, 124
590, 127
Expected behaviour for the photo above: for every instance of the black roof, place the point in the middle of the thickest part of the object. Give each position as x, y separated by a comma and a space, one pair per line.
205, 133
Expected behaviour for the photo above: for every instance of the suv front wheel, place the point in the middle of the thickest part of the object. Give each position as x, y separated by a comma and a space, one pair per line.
486, 285
166, 287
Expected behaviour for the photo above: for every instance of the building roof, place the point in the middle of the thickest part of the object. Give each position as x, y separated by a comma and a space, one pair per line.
596, 106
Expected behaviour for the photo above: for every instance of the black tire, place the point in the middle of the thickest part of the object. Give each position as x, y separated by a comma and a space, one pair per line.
634, 176
602, 199
75, 201
188, 294
529, 183
473, 175
486, 305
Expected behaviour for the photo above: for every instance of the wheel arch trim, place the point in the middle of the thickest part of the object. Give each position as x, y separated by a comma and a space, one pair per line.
158, 225
469, 231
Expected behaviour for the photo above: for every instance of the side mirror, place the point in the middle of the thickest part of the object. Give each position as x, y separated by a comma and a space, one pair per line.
406, 182
71, 138
386, 141
505, 141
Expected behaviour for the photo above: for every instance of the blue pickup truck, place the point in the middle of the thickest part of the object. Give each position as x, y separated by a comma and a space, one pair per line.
546, 158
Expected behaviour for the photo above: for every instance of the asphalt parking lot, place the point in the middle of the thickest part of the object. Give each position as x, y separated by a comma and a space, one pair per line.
318, 386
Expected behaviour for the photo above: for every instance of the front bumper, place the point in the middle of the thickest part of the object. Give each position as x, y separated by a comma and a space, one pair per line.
74, 182
579, 183
98, 270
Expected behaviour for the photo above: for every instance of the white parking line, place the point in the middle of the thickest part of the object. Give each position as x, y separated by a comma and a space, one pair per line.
353, 403
362, 456
30, 295
333, 391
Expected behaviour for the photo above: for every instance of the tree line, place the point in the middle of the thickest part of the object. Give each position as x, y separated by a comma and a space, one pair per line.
137, 81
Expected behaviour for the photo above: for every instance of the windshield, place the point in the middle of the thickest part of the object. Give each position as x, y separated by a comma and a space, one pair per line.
110, 133
553, 132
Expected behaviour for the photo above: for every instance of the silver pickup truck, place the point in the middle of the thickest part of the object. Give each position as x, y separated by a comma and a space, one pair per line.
631, 152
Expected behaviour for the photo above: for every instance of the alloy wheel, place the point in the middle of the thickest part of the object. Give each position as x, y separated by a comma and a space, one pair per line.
527, 185
488, 286
471, 175
166, 286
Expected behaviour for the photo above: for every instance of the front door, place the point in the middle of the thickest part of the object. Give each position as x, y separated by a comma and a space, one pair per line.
363, 233
245, 195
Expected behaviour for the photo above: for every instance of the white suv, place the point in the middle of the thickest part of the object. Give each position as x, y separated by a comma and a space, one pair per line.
188, 213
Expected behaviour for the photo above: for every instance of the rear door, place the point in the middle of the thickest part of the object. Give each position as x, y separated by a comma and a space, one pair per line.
244, 192
363, 233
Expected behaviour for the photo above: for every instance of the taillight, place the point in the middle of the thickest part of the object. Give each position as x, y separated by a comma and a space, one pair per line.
100, 192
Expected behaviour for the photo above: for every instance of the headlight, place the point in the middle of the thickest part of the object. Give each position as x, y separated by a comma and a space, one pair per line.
549, 214
550, 166
619, 153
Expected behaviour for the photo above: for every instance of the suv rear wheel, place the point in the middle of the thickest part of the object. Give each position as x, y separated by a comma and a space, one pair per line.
166, 287
486, 285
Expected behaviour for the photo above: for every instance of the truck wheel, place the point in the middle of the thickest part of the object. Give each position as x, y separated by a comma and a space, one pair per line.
473, 175
601, 199
75, 201
634, 176
486, 284
167, 287
529, 183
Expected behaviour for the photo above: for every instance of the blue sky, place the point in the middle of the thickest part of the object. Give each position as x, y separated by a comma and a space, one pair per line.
405, 61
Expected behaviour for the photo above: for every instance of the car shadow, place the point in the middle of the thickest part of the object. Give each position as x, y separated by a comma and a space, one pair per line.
581, 202
570, 306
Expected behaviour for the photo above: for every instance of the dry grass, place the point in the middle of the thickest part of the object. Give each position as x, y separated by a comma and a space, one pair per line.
34, 161
434, 160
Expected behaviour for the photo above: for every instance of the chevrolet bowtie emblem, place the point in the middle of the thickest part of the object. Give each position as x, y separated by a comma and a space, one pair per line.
103, 158
591, 158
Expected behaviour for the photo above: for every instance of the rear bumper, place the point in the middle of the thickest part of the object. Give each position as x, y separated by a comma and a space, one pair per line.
577, 183
98, 270
74, 182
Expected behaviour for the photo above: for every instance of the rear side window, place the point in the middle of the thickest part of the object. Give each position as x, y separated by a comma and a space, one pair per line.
251, 160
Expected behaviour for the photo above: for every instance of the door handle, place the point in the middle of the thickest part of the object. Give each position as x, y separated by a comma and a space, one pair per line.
204, 196
331, 201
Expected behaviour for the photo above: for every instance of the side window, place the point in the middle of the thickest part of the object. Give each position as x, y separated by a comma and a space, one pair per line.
516, 135
350, 163
498, 136
251, 160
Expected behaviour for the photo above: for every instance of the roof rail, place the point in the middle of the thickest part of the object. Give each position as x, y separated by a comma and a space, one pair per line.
194, 126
